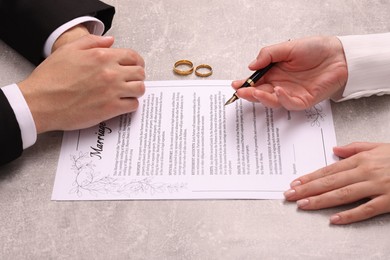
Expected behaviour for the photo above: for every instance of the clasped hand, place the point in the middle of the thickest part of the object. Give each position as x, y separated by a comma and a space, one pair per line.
83, 83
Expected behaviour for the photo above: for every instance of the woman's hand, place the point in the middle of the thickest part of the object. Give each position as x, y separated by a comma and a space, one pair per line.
364, 173
308, 71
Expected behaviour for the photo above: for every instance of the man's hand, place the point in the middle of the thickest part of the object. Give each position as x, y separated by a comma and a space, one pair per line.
83, 83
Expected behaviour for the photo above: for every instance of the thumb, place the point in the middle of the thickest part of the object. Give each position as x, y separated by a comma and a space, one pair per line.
92, 41
353, 148
274, 53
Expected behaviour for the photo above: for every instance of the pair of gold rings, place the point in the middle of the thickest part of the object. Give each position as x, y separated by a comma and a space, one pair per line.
178, 68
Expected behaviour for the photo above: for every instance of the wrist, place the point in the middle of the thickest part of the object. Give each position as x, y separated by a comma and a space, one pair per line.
70, 35
26, 90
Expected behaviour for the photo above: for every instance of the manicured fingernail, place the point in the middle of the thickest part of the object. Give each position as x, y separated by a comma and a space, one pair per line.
295, 183
252, 63
302, 203
335, 219
289, 193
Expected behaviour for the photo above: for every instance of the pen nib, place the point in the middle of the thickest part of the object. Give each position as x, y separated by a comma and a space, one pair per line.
232, 99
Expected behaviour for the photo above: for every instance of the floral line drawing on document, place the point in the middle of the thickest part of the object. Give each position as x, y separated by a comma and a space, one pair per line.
315, 114
87, 180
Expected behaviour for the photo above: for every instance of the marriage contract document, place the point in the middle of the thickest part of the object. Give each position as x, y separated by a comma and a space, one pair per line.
183, 143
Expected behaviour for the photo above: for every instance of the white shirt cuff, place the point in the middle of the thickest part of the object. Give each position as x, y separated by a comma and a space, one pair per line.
22, 113
93, 25
368, 61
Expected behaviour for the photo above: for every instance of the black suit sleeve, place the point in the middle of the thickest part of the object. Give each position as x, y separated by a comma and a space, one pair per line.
10, 136
25, 25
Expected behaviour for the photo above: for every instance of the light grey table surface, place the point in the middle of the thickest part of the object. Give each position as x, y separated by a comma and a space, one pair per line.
226, 34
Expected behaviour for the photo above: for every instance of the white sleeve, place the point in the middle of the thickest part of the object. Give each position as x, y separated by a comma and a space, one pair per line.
22, 113
93, 25
368, 61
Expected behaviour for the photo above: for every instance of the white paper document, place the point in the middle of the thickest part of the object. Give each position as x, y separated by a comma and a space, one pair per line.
183, 143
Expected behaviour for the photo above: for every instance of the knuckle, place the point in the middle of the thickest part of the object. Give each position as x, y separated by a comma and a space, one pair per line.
304, 179
302, 191
101, 55
328, 181
347, 217
108, 75
90, 37
141, 88
344, 194
368, 163
264, 51
316, 203
366, 156
134, 104
140, 71
132, 55
369, 166
368, 210
326, 171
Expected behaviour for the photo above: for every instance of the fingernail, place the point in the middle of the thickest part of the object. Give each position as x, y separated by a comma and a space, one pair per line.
289, 193
252, 63
335, 219
295, 183
302, 203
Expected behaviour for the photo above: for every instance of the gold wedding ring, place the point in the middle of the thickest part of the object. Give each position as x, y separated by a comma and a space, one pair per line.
183, 63
203, 74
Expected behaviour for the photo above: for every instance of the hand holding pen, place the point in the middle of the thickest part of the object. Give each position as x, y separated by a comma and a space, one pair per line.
250, 82
307, 71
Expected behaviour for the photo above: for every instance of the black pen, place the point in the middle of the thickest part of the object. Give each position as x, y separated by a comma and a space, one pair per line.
251, 81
